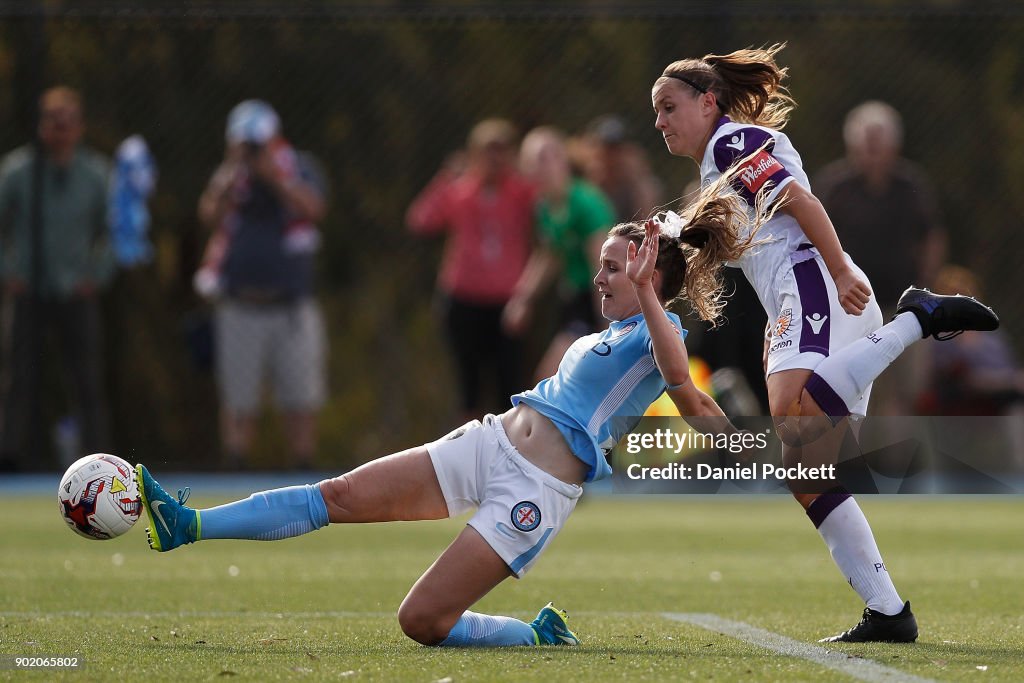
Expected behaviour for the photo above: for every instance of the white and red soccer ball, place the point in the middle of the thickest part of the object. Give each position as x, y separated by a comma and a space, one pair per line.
98, 496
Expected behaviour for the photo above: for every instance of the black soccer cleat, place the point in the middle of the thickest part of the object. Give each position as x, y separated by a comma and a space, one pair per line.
875, 627
944, 316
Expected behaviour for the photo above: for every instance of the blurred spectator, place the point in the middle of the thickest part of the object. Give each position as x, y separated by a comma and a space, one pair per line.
62, 297
573, 219
486, 209
975, 373
885, 212
619, 167
875, 197
262, 203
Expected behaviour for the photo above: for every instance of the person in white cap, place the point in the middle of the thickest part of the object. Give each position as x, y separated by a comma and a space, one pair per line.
262, 204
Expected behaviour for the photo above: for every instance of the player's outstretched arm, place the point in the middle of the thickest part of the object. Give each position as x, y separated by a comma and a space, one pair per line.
700, 410
669, 352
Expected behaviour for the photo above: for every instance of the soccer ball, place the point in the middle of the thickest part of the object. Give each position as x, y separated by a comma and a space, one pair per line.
99, 497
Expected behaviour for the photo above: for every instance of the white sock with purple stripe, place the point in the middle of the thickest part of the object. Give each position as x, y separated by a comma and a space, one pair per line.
845, 375
848, 536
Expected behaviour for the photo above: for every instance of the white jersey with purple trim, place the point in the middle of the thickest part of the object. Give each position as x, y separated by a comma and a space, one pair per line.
787, 272
777, 163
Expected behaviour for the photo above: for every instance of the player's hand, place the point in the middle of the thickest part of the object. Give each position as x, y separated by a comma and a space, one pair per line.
640, 262
854, 293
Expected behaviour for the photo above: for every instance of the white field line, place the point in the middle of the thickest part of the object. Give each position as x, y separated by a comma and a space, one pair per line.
855, 667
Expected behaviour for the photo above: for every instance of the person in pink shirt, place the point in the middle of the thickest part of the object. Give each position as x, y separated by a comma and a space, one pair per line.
486, 212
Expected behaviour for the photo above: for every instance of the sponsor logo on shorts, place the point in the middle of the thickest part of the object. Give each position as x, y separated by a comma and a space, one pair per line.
816, 321
780, 345
525, 516
784, 323
461, 431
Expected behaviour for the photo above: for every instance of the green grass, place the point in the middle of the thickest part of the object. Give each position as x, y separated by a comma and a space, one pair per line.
322, 607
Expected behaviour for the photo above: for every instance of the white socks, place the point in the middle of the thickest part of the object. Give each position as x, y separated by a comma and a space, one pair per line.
849, 539
850, 370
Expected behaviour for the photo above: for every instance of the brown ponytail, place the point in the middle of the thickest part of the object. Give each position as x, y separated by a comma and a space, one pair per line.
717, 227
746, 83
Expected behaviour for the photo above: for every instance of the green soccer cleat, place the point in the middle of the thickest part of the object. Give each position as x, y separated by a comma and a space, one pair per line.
170, 523
551, 628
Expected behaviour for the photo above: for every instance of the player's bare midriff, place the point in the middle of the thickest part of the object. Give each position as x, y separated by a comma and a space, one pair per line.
538, 440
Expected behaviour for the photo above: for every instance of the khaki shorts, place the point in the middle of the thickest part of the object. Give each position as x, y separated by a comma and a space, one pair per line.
520, 507
283, 342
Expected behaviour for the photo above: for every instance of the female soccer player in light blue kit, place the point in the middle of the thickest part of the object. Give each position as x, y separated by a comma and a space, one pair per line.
825, 343
522, 470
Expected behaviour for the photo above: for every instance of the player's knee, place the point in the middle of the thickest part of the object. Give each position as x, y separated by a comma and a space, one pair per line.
803, 422
336, 493
420, 624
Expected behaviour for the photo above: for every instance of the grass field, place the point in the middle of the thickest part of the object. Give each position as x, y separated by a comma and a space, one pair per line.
322, 607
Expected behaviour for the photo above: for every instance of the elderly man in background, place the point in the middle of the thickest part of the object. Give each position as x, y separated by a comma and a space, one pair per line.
886, 214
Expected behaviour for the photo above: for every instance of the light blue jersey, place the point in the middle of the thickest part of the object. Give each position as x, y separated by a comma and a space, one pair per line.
603, 386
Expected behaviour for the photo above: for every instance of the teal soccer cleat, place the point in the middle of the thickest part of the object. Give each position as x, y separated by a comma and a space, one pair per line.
551, 628
170, 523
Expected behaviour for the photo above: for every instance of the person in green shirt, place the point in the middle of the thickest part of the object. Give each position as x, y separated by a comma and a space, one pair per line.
573, 217
76, 262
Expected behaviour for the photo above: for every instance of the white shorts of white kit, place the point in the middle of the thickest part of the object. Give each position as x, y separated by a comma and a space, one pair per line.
520, 507
810, 323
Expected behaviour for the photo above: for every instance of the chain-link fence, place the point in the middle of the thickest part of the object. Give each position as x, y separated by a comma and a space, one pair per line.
381, 94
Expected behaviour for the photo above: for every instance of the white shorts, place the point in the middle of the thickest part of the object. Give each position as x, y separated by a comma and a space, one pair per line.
520, 507
809, 323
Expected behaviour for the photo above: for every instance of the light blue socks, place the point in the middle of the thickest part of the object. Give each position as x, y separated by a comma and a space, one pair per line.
267, 516
484, 630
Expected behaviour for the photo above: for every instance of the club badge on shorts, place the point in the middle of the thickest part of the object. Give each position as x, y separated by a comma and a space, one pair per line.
525, 516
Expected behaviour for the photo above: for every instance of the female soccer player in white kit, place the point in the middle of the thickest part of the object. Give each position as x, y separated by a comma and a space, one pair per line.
825, 342
522, 470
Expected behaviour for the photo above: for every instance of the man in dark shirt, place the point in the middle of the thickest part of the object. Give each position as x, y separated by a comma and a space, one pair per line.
885, 212
883, 206
262, 204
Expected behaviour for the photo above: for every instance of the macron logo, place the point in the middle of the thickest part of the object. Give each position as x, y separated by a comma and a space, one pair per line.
736, 142
816, 322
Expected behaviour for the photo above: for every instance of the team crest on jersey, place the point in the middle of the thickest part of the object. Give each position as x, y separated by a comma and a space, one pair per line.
525, 516
784, 323
626, 329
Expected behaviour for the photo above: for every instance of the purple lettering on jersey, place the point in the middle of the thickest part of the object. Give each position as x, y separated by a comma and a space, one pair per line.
759, 170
